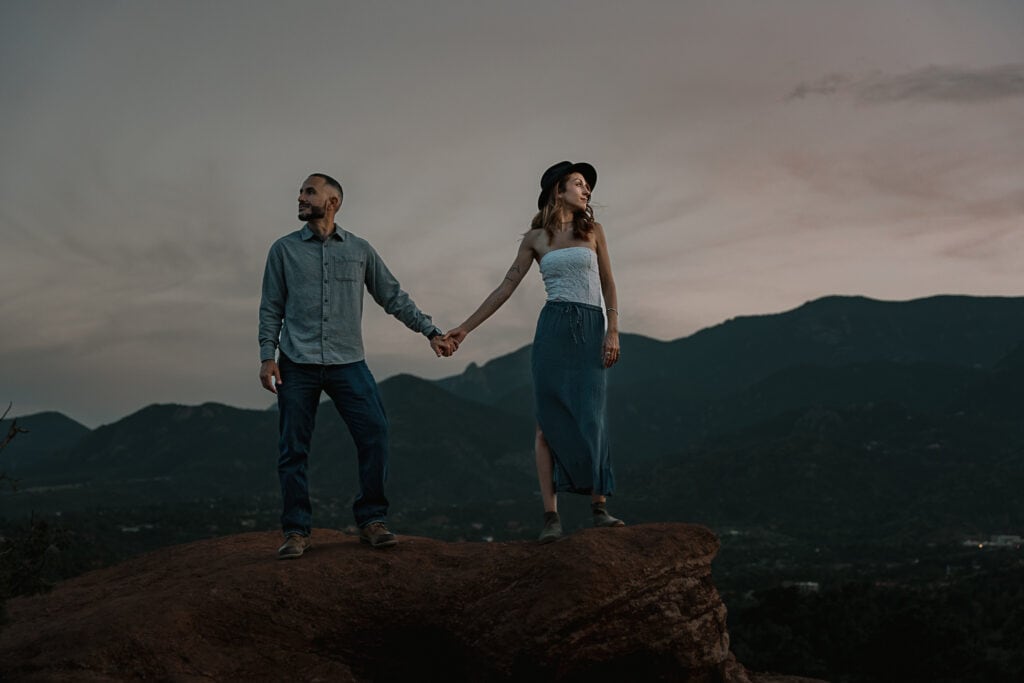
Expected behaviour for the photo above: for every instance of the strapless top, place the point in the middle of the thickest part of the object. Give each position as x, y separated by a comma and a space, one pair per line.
570, 274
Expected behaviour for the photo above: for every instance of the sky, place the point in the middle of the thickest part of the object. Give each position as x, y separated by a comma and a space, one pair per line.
752, 155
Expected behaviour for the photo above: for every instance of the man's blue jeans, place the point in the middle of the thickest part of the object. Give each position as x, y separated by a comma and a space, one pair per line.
354, 393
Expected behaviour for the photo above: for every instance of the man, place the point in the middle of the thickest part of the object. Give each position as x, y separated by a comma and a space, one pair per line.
311, 311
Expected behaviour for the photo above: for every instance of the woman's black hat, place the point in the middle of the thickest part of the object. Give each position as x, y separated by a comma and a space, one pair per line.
559, 171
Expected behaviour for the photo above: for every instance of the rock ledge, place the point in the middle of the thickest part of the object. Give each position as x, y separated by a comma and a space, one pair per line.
634, 604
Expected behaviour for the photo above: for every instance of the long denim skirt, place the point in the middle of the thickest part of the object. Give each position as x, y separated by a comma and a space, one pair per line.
569, 382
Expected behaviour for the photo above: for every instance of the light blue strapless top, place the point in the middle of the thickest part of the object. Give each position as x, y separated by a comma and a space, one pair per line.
570, 274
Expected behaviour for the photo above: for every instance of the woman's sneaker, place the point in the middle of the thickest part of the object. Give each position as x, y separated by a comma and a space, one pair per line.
601, 516
552, 530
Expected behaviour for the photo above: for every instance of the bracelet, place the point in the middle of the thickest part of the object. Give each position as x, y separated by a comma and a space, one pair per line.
612, 310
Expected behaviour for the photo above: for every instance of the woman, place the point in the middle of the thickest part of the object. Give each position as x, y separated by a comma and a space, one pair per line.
571, 348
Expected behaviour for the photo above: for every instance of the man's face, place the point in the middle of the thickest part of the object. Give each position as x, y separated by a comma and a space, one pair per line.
315, 196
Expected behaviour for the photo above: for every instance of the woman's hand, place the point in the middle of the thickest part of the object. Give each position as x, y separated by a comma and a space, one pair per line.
441, 346
610, 350
455, 337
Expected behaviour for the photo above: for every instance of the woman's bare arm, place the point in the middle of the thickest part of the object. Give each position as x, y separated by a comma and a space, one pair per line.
611, 299
516, 272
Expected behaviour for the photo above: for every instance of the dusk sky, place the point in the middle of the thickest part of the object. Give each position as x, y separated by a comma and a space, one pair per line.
752, 155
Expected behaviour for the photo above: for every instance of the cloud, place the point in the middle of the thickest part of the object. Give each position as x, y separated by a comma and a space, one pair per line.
929, 84
148, 160
827, 85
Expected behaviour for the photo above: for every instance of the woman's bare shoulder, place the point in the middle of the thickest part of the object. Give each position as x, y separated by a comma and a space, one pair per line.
533, 233
532, 237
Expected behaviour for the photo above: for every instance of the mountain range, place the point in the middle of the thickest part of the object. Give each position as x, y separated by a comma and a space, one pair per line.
844, 416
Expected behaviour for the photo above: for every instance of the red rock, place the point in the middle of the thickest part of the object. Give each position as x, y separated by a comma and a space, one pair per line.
629, 604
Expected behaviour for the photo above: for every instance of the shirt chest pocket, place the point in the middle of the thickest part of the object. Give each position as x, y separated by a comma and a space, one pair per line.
348, 269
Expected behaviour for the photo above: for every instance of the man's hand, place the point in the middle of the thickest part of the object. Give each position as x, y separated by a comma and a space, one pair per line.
270, 375
442, 347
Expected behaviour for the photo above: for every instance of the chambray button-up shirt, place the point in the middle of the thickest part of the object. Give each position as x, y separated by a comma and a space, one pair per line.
312, 304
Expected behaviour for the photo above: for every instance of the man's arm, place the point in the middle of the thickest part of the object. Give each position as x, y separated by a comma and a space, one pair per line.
271, 317
389, 295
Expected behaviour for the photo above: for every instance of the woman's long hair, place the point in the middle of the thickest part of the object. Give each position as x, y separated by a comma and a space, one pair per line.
549, 218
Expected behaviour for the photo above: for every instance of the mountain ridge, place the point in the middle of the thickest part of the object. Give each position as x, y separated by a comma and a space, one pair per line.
451, 450
511, 370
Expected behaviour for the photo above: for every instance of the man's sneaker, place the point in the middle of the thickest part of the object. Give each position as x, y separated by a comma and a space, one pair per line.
294, 545
377, 535
552, 530
601, 516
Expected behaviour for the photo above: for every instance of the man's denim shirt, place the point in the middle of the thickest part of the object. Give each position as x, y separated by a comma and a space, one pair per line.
313, 297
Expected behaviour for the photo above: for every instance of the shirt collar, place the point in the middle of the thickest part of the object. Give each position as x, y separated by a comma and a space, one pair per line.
307, 233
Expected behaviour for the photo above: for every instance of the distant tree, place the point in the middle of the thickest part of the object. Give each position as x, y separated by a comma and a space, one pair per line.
26, 556
13, 430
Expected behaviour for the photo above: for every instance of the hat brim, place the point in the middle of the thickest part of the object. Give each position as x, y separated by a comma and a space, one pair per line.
588, 172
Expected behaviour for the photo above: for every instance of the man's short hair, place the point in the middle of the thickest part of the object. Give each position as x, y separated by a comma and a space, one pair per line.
330, 181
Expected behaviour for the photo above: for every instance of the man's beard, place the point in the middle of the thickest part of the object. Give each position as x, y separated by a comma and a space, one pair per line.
312, 213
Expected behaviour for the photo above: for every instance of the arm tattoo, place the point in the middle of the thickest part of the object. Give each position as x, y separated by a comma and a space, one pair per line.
513, 269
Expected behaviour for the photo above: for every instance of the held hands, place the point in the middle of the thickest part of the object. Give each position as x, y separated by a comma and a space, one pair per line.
442, 346
610, 349
447, 344
456, 335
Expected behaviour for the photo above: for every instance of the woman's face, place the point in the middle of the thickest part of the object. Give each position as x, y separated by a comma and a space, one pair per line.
576, 194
